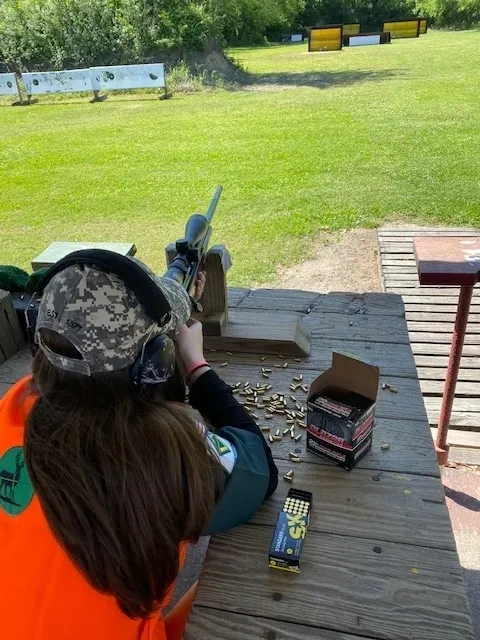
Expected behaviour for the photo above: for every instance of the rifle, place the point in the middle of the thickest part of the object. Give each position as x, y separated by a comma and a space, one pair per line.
192, 248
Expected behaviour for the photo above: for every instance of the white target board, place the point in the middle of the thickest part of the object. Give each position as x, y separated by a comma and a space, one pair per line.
359, 41
57, 81
131, 76
8, 84
297, 37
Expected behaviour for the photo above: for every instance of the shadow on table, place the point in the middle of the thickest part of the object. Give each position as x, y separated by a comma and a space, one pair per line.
472, 582
320, 79
463, 499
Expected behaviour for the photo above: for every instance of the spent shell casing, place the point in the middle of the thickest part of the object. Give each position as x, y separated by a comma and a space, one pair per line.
297, 359
297, 438
263, 358
277, 432
290, 473
270, 437
293, 398
288, 478
282, 356
224, 364
285, 365
229, 353
277, 438
295, 459
265, 428
385, 447
285, 431
265, 375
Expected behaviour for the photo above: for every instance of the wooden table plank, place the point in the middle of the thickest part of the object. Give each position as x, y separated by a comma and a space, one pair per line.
395, 507
440, 316
405, 458
432, 349
465, 412
443, 338
433, 373
440, 361
444, 327
343, 585
469, 389
446, 293
215, 623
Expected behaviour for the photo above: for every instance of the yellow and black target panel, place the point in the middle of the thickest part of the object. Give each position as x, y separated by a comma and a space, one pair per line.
351, 29
326, 38
409, 28
423, 26
363, 39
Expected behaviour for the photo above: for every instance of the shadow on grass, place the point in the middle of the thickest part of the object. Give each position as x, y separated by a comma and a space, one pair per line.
319, 79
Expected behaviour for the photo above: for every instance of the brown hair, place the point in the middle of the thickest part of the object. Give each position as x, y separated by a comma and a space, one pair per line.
122, 480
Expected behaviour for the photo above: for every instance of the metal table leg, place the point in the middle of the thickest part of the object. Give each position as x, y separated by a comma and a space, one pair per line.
458, 338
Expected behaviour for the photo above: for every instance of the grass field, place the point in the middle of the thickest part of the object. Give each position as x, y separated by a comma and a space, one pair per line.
318, 142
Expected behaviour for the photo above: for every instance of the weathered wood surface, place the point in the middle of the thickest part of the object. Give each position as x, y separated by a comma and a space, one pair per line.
430, 314
380, 548
344, 585
215, 623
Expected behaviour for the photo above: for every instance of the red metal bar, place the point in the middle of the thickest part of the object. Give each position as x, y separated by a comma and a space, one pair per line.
458, 338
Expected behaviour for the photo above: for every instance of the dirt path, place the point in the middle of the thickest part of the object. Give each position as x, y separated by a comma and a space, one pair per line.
350, 264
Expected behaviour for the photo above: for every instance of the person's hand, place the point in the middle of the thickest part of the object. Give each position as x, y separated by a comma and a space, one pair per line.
199, 285
190, 342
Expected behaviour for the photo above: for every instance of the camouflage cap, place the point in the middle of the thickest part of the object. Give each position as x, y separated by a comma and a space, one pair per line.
102, 318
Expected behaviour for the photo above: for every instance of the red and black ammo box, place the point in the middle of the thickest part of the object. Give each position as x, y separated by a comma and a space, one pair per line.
341, 410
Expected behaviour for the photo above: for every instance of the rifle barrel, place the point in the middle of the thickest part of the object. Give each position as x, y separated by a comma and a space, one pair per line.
214, 203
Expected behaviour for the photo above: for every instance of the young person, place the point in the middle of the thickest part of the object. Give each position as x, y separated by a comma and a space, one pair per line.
103, 485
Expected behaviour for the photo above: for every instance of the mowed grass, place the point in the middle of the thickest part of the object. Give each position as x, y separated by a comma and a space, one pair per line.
318, 142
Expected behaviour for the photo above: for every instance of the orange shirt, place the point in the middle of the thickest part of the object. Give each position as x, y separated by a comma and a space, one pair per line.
43, 596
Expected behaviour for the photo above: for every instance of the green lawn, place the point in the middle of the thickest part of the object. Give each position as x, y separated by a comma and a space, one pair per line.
324, 141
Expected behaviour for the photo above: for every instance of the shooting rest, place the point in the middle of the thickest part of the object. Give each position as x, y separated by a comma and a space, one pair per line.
249, 331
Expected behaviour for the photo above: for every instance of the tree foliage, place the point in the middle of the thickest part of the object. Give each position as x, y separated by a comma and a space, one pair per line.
49, 34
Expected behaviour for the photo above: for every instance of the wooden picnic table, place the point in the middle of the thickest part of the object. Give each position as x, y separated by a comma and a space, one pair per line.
379, 559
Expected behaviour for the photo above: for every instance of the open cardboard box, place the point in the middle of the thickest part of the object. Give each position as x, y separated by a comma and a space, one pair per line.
341, 410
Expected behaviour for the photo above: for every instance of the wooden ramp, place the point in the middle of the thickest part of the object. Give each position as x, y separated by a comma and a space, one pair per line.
430, 314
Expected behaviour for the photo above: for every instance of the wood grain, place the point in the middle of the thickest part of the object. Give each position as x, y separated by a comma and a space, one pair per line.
394, 507
405, 458
439, 315
457, 438
465, 412
210, 623
432, 373
376, 594
468, 389
263, 332
446, 293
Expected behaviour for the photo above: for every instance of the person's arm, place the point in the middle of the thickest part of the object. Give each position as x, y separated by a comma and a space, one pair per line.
214, 399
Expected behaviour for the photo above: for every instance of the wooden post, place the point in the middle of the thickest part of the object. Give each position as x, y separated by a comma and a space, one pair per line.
11, 336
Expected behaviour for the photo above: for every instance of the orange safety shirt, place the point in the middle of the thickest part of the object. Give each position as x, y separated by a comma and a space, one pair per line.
43, 596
